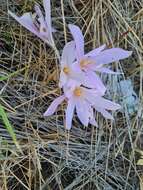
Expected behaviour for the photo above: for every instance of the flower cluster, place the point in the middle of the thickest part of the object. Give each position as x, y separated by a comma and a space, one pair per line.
82, 87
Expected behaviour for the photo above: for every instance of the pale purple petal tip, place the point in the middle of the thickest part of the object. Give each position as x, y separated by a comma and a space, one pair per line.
105, 113
93, 122
52, 108
68, 55
111, 55
106, 104
79, 40
26, 21
47, 7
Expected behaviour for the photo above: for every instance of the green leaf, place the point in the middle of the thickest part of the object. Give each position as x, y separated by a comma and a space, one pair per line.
8, 126
2, 78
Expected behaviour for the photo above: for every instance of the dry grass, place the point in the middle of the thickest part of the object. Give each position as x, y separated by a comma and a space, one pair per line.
102, 159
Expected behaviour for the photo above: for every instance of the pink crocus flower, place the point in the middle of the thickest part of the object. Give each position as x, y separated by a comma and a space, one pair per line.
95, 59
84, 101
37, 23
69, 74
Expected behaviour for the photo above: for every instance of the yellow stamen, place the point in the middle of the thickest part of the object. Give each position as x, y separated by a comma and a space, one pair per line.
78, 91
66, 70
85, 62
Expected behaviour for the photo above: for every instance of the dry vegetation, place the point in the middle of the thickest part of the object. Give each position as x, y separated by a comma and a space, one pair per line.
103, 158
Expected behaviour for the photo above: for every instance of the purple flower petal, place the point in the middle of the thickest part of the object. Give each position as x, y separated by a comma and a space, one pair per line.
95, 99
47, 7
79, 76
83, 112
63, 79
69, 113
42, 28
68, 55
93, 81
76, 67
26, 21
91, 95
104, 113
106, 104
93, 122
79, 40
52, 108
96, 51
111, 55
